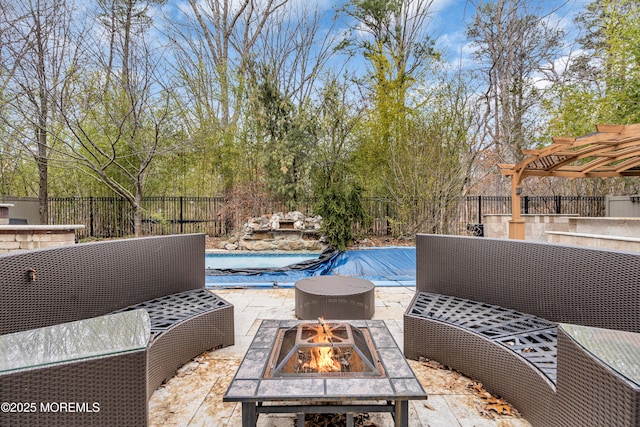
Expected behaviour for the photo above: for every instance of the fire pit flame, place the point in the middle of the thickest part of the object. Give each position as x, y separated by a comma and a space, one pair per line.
326, 360
322, 358
323, 348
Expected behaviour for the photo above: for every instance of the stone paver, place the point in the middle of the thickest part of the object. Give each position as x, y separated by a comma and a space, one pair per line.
194, 396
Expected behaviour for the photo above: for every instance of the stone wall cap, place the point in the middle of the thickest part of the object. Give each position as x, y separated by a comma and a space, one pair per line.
539, 214
57, 227
595, 236
608, 218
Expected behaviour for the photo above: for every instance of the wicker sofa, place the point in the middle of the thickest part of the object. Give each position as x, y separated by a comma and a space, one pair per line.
527, 320
118, 318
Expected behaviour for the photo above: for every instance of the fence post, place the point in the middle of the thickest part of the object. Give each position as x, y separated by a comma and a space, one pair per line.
387, 216
558, 205
525, 200
91, 230
479, 209
181, 216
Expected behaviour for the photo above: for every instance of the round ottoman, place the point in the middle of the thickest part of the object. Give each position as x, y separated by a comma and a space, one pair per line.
334, 298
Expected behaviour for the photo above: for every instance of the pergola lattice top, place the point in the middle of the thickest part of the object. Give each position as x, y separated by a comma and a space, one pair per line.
614, 150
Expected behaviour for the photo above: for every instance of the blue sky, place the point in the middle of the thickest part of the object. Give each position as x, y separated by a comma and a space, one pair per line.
449, 19
447, 24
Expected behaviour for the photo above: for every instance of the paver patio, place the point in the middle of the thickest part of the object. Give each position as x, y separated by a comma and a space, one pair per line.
194, 396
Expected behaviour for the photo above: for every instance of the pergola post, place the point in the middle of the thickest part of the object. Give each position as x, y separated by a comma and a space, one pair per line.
516, 224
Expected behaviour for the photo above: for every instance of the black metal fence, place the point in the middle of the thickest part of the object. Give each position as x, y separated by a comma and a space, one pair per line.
476, 206
108, 217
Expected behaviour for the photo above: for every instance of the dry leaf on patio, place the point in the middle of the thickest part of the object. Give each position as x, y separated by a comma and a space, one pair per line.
492, 403
476, 386
501, 408
450, 384
479, 389
330, 420
486, 396
486, 414
432, 363
187, 369
429, 407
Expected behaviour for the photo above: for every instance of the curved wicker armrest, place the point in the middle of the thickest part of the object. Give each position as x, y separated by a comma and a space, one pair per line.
88, 372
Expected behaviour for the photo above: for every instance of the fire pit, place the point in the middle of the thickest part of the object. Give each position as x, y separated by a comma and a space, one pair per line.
324, 367
324, 349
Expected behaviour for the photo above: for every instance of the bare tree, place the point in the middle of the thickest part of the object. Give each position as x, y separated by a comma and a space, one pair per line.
285, 88
217, 37
297, 45
431, 169
213, 41
36, 66
514, 44
220, 46
7, 152
118, 115
393, 36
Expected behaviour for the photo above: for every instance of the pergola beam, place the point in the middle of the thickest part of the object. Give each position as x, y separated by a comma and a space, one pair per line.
587, 156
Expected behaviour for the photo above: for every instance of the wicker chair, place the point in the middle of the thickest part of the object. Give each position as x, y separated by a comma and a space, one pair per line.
490, 308
162, 275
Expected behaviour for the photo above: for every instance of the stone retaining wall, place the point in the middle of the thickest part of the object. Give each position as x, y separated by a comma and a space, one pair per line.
16, 238
292, 231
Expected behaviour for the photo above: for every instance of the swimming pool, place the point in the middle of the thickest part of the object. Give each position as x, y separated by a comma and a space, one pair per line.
220, 261
388, 266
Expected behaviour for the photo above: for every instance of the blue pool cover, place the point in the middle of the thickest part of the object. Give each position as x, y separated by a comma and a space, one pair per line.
388, 266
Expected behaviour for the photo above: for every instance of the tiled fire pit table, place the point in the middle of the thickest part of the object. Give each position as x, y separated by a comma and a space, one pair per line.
387, 390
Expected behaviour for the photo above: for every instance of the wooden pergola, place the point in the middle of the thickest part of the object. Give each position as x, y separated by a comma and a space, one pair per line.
612, 151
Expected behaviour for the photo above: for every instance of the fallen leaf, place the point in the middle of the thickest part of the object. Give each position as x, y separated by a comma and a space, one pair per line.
432, 364
492, 403
484, 413
477, 387
503, 409
450, 384
485, 395
429, 407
